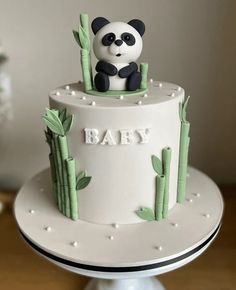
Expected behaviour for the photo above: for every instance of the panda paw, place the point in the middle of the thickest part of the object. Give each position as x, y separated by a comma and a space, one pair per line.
102, 82
133, 81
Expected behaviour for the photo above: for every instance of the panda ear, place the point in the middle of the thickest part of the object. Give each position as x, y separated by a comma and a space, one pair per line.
98, 23
138, 25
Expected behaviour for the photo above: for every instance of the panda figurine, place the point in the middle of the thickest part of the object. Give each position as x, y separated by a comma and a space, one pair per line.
117, 45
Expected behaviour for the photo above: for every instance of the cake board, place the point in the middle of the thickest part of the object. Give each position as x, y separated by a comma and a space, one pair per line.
120, 256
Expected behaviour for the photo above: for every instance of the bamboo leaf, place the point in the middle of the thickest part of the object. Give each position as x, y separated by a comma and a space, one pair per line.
84, 39
157, 165
76, 36
146, 213
83, 182
81, 174
67, 124
54, 126
62, 115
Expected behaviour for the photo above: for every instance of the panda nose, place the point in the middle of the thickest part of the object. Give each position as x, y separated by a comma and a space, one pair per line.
118, 42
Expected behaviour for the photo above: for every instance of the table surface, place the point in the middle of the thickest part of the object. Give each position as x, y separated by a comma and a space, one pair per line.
21, 268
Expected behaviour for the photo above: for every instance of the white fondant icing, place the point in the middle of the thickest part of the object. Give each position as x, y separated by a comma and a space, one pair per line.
139, 102
127, 136
108, 139
91, 136
144, 135
74, 244
122, 175
179, 89
48, 229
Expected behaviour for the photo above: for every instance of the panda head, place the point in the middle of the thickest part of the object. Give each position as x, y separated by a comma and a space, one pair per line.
117, 42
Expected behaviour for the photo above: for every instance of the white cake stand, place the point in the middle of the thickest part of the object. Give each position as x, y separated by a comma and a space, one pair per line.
120, 257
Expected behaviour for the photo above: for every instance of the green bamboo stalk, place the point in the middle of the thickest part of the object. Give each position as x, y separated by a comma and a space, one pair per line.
183, 160
144, 73
166, 157
60, 174
64, 154
58, 187
160, 188
86, 68
70, 167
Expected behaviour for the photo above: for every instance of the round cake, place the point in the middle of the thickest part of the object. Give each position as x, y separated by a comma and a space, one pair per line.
114, 139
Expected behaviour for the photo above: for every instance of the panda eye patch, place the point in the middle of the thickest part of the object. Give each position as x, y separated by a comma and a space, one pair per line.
128, 38
108, 39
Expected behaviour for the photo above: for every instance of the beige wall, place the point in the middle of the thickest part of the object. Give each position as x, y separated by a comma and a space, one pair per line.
189, 42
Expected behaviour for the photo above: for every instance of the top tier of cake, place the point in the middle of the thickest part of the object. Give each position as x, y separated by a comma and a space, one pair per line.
114, 139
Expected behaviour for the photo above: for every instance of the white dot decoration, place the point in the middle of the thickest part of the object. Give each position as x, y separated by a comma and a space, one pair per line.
197, 194
159, 248
31, 211
151, 81
145, 95
67, 87
74, 244
111, 238
172, 94
48, 229
83, 98
160, 85
175, 225
93, 103
121, 97
189, 199
207, 215
116, 226
73, 93
139, 102
58, 93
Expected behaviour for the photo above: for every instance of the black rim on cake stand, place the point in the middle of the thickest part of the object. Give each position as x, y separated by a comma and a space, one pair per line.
125, 256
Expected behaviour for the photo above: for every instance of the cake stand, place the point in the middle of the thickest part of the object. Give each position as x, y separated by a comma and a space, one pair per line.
120, 257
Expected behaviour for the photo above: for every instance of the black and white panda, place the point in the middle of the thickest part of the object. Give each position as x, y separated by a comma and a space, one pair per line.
117, 45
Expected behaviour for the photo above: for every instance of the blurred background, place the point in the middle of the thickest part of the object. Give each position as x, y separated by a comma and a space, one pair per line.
188, 42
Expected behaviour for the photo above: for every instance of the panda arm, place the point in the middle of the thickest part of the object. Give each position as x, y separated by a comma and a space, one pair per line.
128, 70
105, 67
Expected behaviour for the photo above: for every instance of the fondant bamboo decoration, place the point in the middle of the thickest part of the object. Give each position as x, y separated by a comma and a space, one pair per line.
162, 168
183, 151
65, 182
144, 74
83, 39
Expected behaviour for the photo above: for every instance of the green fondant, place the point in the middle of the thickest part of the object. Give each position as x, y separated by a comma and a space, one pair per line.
159, 200
83, 39
183, 151
83, 182
113, 93
166, 157
157, 165
146, 213
64, 179
144, 73
70, 167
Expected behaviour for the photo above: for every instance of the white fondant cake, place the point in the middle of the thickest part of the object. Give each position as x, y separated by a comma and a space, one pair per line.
113, 139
